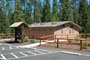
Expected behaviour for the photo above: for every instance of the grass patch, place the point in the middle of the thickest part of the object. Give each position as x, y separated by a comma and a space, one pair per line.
69, 41
32, 41
85, 47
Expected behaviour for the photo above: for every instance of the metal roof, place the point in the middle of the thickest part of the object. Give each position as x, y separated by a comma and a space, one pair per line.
16, 24
51, 24
45, 24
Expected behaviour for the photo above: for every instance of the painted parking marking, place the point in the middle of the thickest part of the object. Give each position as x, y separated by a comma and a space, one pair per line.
2, 48
3, 56
40, 52
45, 51
19, 54
23, 54
14, 55
27, 53
31, 55
31, 52
35, 52
10, 47
7, 56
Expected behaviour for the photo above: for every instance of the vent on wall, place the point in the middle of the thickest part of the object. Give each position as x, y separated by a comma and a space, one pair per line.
53, 23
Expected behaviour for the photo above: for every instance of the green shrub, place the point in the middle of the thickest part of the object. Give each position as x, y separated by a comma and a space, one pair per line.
85, 43
26, 38
32, 41
85, 35
69, 41
77, 37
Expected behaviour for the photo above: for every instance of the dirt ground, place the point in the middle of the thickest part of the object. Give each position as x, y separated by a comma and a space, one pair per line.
13, 42
67, 47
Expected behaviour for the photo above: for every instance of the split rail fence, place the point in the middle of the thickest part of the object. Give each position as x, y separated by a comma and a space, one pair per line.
67, 37
57, 38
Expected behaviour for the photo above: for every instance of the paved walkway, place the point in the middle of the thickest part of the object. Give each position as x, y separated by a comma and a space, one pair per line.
37, 44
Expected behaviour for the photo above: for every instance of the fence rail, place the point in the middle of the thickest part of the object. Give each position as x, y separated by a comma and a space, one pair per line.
67, 38
53, 37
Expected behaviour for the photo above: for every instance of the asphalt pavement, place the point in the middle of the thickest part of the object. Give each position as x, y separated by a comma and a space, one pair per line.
12, 52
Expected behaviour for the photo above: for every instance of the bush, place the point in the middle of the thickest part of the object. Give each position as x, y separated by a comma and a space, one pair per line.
85, 43
85, 35
32, 41
69, 41
26, 38
77, 37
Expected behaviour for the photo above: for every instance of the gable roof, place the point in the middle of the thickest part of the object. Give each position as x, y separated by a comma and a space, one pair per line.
17, 24
52, 24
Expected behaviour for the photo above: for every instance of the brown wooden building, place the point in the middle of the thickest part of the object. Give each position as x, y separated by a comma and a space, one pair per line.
50, 28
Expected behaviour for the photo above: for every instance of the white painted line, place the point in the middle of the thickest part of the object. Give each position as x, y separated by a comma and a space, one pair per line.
85, 55
33, 55
71, 53
17, 47
23, 53
3, 48
39, 51
14, 55
45, 50
10, 47
31, 52
3, 57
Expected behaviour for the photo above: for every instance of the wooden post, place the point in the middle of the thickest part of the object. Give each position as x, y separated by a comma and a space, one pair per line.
55, 38
67, 36
40, 42
80, 44
15, 34
22, 34
57, 43
33, 36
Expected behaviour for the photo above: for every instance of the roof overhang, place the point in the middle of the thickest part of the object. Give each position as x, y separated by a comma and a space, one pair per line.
41, 26
17, 24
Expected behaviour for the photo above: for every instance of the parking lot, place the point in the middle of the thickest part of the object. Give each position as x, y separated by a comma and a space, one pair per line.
12, 52
8, 52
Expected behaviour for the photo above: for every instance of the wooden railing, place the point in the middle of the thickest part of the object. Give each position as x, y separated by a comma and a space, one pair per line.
34, 36
57, 39
7, 35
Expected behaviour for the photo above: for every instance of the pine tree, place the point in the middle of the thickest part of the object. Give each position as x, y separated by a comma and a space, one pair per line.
60, 12
46, 15
55, 11
75, 10
67, 11
83, 13
38, 11
88, 22
28, 13
19, 14
1, 21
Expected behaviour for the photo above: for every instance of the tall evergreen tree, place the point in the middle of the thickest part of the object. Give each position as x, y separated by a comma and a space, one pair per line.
55, 11
67, 11
83, 13
88, 22
75, 4
28, 13
19, 14
60, 10
46, 17
38, 11
1, 21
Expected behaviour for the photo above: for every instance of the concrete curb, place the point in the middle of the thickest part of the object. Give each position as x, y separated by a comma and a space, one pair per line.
74, 53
